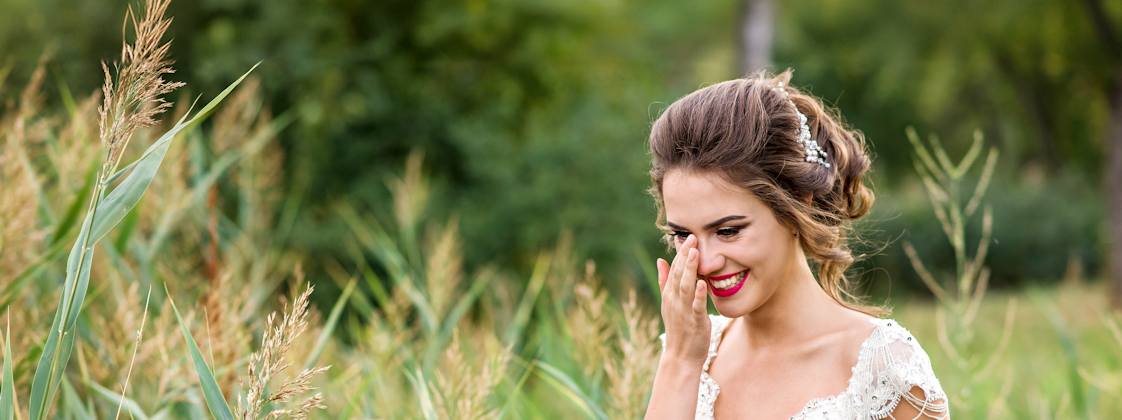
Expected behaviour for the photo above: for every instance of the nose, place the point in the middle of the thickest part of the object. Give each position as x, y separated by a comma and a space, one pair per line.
709, 260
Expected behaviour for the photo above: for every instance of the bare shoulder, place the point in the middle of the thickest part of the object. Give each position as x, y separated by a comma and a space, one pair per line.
853, 329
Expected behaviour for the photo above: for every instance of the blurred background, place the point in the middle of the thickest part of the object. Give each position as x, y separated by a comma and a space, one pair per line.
530, 119
533, 115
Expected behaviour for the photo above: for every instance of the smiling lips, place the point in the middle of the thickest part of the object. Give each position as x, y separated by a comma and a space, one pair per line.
727, 285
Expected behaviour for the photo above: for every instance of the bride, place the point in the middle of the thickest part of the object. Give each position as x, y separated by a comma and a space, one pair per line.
752, 177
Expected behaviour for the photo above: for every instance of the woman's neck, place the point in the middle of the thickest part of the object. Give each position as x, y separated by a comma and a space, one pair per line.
797, 312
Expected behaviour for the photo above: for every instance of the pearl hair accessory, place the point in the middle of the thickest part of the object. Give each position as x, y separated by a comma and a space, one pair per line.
814, 152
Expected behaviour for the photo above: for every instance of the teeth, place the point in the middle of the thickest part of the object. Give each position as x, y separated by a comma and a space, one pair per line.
730, 282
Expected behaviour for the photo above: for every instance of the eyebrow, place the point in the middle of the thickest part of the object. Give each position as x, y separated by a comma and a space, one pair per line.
714, 224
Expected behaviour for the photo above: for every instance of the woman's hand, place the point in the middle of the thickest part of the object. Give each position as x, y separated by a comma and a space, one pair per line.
683, 306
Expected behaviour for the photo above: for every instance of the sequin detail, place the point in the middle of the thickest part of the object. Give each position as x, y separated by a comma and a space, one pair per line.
890, 364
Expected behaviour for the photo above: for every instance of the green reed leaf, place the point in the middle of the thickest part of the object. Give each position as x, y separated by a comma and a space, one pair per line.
526, 306
213, 395
60, 341
924, 155
108, 211
74, 408
650, 271
329, 327
71, 217
10, 291
128, 225
454, 316
569, 388
128, 193
7, 388
131, 407
420, 385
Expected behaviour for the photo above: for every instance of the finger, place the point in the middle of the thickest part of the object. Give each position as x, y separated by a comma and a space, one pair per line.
675, 276
699, 296
663, 273
689, 272
680, 262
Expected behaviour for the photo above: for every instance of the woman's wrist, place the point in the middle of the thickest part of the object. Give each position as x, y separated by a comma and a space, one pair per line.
674, 395
677, 365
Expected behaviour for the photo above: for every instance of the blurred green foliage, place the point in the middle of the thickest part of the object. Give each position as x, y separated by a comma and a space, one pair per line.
532, 114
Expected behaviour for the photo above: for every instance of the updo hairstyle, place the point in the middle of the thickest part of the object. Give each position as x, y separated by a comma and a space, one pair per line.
746, 131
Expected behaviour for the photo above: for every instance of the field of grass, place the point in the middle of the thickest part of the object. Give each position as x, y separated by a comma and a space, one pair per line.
413, 334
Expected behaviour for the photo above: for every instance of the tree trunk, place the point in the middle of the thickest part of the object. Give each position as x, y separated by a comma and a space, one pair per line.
1113, 185
1112, 146
756, 33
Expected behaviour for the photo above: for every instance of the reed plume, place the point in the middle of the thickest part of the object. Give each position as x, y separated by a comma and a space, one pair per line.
135, 99
632, 371
270, 360
588, 320
461, 389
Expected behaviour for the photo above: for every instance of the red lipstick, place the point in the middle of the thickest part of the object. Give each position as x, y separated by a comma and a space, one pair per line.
727, 292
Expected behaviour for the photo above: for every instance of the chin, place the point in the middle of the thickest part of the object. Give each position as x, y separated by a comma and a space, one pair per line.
730, 307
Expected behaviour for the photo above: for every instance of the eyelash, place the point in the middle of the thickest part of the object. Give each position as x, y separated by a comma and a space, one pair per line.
727, 232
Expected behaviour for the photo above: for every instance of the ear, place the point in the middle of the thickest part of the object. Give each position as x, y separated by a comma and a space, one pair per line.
807, 196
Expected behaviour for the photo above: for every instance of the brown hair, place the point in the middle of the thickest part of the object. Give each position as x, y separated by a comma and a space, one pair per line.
746, 131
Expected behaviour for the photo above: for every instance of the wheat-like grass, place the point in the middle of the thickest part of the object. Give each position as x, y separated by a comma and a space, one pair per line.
588, 324
444, 268
270, 361
463, 387
136, 99
632, 371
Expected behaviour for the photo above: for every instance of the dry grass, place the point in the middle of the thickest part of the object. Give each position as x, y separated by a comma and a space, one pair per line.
133, 102
631, 371
270, 361
463, 386
222, 254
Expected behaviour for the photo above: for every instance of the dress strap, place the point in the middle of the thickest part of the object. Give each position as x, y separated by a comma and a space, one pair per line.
719, 324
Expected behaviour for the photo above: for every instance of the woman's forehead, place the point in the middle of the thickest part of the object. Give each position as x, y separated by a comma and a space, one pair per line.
698, 197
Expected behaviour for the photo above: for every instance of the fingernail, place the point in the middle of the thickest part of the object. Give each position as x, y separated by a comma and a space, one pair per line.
692, 255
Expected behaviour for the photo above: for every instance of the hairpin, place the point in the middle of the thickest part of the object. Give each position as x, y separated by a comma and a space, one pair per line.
814, 152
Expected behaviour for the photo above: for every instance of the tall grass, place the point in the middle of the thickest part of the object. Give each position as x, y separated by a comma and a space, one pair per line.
413, 334
962, 294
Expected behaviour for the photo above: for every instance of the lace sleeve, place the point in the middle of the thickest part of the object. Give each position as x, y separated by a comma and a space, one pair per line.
900, 371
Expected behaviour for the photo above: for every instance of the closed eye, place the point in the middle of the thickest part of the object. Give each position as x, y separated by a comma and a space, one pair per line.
728, 232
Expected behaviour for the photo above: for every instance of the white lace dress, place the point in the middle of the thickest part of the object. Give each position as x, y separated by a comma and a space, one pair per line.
889, 365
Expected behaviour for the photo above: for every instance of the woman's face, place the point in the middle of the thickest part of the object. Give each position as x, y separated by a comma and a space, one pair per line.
746, 254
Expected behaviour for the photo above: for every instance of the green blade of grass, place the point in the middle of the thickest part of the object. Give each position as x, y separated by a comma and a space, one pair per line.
420, 385
64, 91
128, 193
454, 316
108, 211
4, 71
512, 398
11, 290
563, 383
128, 225
332, 321
374, 237
73, 403
60, 340
526, 306
131, 407
7, 388
213, 395
75, 208
649, 270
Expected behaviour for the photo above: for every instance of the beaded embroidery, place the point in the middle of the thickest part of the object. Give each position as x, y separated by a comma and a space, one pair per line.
889, 365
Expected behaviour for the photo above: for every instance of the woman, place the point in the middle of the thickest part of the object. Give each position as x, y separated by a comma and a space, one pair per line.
751, 178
